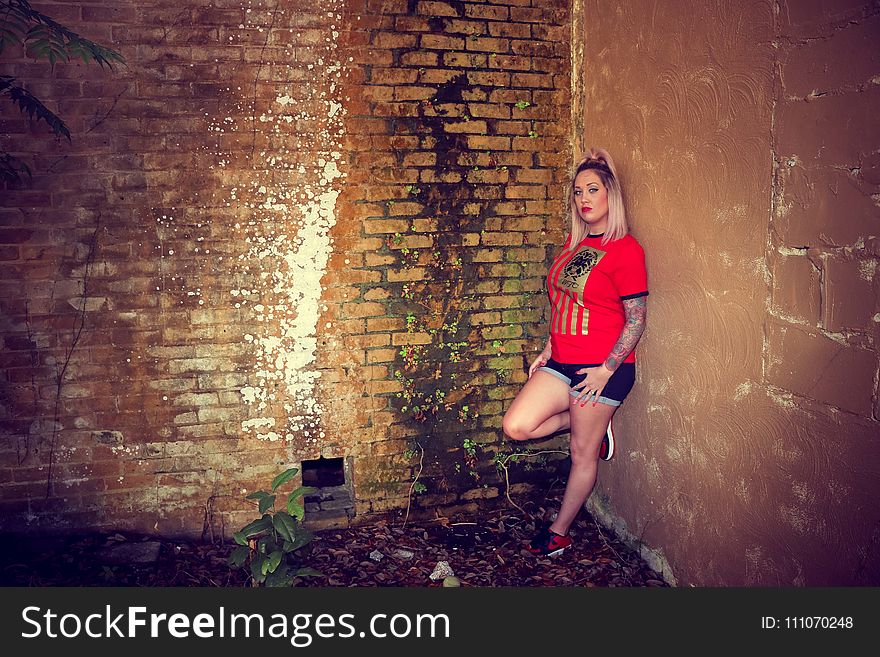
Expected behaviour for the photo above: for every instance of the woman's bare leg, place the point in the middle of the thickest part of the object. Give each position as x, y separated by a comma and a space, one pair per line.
588, 424
540, 409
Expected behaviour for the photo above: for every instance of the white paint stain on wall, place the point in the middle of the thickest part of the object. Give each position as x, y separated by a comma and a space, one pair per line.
288, 243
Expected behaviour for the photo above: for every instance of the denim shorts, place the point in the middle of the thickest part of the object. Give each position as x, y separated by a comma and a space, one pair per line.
618, 387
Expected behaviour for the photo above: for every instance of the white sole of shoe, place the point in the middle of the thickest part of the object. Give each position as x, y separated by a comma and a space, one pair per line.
609, 434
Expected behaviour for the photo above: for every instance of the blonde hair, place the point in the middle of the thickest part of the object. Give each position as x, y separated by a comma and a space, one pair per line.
599, 161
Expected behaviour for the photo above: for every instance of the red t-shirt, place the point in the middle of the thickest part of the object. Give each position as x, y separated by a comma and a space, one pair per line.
587, 286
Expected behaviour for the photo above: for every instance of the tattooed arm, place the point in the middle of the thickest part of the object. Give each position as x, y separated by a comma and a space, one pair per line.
635, 310
597, 377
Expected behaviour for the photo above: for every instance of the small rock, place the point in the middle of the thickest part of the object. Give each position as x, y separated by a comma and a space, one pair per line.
441, 570
132, 553
451, 582
403, 554
375, 555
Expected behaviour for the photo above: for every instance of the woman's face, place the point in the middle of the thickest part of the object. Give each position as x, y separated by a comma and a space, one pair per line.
591, 200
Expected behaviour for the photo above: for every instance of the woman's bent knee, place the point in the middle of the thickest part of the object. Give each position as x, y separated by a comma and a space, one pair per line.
515, 429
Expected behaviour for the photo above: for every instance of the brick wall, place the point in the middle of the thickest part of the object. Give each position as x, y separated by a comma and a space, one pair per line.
279, 232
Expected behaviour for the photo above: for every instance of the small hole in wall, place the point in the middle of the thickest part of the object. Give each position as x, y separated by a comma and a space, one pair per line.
332, 503
323, 473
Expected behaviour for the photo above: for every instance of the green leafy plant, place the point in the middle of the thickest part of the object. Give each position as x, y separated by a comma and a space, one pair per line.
42, 38
269, 546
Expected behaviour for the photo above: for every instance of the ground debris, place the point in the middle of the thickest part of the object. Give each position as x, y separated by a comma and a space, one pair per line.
480, 551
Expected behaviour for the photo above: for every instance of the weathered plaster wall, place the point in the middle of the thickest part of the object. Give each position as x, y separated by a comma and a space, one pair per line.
284, 230
746, 134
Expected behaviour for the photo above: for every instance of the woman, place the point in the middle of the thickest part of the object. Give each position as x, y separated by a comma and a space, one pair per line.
597, 287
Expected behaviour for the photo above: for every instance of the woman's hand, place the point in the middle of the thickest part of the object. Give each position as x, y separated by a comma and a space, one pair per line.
592, 386
540, 361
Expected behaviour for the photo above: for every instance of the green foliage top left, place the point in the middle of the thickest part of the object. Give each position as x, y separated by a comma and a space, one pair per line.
43, 38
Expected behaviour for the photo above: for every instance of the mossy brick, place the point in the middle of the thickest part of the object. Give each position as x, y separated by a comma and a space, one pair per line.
418, 58
386, 447
501, 239
469, 27
399, 339
381, 355
431, 176
488, 176
489, 110
231, 349
366, 341
484, 142
543, 238
441, 42
514, 128
550, 65
470, 239
420, 159
488, 44
488, 255
503, 392
522, 285
377, 93
173, 385
405, 208
521, 316
376, 293
393, 76
511, 63
196, 399
488, 287
424, 225
544, 206
408, 274
438, 75
488, 12
391, 40
365, 309
417, 242
485, 318
380, 260
503, 301
506, 270
464, 60
183, 365
387, 324
526, 223
480, 493
525, 254
501, 333
514, 30
430, 8
375, 226
385, 387
446, 110
489, 78
394, 110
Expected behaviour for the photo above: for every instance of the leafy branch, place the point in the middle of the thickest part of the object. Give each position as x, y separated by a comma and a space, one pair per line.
41, 38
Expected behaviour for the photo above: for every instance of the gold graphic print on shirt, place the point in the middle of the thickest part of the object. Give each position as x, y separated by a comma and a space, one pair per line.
573, 278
